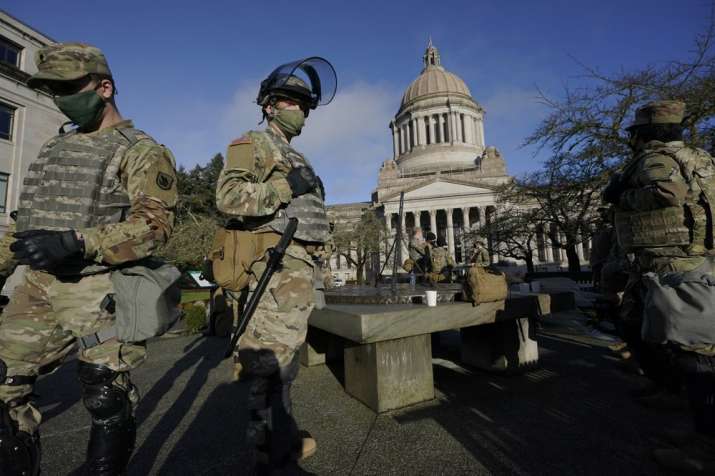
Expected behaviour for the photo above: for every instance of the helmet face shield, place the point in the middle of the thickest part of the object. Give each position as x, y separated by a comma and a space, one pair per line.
311, 81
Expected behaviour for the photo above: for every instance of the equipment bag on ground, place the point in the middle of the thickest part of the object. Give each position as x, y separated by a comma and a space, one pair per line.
680, 307
485, 285
146, 298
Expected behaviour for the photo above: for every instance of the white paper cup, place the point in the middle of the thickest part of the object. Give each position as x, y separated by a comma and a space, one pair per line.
431, 298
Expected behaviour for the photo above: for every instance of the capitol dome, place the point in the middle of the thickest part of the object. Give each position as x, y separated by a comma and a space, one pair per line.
439, 125
434, 81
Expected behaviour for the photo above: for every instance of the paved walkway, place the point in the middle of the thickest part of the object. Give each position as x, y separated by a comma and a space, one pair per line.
570, 416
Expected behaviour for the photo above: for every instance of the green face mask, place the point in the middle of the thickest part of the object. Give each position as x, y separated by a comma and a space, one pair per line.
290, 121
84, 109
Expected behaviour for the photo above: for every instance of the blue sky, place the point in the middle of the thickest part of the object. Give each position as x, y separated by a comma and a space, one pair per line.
188, 71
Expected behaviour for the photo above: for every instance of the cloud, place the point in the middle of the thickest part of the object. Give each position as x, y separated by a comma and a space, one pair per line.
346, 141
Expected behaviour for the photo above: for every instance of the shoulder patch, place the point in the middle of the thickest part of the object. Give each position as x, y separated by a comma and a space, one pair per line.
242, 140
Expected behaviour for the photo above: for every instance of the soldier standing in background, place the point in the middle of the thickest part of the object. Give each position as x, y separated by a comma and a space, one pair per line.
663, 215
480, 254
264, 182
99, 196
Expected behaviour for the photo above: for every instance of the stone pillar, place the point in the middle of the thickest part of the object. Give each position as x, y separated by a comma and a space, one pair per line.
433, 221
481, 132
482, 216
403, 244
467, 132
433, 128
450, 232
579, 252
549, 249
458, 126
452, 128
465, 219
419, 131
475, 131
405, 138
395, 141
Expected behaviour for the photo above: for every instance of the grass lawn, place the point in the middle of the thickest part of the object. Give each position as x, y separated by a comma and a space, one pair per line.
191, 295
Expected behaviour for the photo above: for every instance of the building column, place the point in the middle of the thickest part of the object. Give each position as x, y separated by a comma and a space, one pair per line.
482, 216
475, 130
395, 141
549, 249
450, 232
481, 132
452, 129
404, 252
433, 221
419, 132
579, 252
465, 219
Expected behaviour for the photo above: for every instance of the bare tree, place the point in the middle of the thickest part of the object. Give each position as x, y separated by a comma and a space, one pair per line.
513, 231
588, 123
357, 242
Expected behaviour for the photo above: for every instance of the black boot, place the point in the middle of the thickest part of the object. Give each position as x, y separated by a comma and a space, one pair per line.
113, 433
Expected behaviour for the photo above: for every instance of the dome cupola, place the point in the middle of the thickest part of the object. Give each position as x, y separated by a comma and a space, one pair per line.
439, 125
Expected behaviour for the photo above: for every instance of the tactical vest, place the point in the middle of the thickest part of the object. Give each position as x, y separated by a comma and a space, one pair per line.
75, 184
439, 259
309, 208
689, 226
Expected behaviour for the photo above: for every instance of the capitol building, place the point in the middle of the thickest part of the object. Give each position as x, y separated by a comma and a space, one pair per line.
442, 163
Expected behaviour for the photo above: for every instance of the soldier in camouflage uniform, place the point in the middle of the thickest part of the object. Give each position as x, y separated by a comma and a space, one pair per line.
97, 197
264, 182
664, 226
441, 263
480, 254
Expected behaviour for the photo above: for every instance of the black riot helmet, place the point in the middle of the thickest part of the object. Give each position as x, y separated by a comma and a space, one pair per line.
310, 81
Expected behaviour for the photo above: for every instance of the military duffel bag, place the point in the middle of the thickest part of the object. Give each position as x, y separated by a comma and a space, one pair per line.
485, 285
679, 307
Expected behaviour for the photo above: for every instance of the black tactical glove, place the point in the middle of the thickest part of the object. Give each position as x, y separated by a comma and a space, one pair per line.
302, 180
614, 189
44, 249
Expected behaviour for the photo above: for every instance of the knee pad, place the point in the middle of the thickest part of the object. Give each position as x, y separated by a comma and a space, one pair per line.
101, 397
19, 451
14, 379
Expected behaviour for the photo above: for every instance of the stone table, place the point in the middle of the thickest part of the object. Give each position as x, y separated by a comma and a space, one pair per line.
387, 348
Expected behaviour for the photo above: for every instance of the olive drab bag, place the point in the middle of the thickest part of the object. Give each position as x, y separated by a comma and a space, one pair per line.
234, 252
485, 285
679, 307
146, 299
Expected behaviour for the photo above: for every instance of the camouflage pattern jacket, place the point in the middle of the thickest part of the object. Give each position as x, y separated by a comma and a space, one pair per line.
145, 173
253, 189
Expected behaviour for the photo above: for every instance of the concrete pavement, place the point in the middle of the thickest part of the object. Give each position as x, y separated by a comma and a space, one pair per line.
570, 416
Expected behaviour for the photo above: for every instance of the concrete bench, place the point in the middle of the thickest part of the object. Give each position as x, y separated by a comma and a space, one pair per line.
387, 349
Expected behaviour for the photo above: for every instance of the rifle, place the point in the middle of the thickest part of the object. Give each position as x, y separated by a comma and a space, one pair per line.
275, 257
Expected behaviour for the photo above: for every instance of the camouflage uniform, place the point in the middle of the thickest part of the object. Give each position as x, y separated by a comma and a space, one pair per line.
439, 260
480, 256
51, 309
663, 226
252, 187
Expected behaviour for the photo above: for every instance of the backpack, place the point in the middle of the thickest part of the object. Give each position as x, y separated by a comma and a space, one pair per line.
485, 285
234, 252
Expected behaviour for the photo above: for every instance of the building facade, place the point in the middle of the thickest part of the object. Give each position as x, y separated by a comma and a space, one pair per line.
28, 117
445, 169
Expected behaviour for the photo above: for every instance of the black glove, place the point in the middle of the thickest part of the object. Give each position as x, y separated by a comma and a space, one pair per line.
44, 249
302, 180
614, 189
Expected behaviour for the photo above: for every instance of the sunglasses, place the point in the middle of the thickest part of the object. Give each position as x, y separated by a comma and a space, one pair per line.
67, 88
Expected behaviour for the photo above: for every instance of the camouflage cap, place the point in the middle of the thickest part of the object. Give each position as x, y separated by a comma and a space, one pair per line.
67, 62
659, 112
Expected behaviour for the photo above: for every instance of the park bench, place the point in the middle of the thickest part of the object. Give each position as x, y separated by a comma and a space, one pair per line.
387, 349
